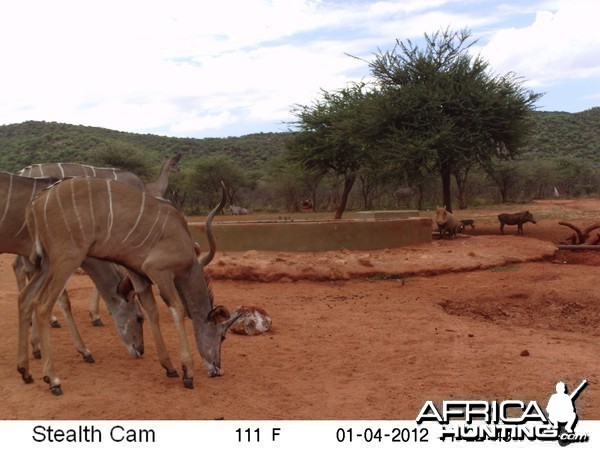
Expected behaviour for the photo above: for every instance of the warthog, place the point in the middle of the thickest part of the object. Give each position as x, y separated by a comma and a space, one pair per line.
307, 205
238, 210
515, 219
467, 222
447, 223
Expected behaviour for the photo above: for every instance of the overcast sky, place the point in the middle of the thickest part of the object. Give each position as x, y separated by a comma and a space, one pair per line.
223, 68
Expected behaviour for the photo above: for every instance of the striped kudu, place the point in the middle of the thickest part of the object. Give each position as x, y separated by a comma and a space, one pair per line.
148, 236
16, 193
157, 188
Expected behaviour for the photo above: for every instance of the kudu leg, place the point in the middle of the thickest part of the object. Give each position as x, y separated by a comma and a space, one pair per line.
24, 269
26, 299
65, 306
44, 299
95, 309
143, 289
169, 293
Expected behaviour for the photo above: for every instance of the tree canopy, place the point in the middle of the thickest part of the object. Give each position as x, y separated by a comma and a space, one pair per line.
449, 112
432, 109
333, 136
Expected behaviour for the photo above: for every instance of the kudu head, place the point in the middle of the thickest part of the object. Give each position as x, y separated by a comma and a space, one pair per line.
172, 163
211, 334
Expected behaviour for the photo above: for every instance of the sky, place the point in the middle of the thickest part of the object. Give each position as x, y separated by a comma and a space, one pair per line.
196, 68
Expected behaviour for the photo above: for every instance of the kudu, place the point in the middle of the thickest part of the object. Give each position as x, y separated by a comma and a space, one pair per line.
403, 196
156, 188
16, 193
114, 222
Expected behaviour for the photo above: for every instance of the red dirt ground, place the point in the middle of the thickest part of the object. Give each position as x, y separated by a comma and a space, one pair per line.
356, 335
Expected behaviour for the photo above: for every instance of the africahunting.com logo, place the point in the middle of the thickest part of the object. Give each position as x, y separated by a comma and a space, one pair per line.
509, 420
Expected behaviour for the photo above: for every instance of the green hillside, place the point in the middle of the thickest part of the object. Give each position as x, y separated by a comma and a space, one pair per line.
563, 152
566, 134
36, 142
555, 134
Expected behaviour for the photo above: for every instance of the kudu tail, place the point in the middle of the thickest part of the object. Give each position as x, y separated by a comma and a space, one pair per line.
37, 251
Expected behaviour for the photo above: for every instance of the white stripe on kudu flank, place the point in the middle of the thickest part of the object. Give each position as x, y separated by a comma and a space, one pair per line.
46, 211
162, 230
10, 183
110, 210
77, 211
33, 192
62, 171
62, 211
41, 170
138, 217
87, 180
150, 231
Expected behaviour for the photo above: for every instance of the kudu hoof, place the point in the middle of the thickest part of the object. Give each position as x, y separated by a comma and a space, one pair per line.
56, 390
89, 359
188, 383
97, 323
37, 354
28, 379
172, 373
55, 324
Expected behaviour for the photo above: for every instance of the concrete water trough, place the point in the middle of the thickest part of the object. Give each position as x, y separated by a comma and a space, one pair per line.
315, 236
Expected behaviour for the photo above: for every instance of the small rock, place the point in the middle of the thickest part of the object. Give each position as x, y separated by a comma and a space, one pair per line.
525, 353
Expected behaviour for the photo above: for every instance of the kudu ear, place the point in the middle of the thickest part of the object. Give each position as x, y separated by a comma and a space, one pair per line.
125, 288
218, 314
197, 249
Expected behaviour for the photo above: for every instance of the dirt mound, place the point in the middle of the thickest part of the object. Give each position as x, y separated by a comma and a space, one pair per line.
464, 253
524, 309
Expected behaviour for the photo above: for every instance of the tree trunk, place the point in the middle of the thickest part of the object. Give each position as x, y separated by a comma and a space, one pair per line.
446, 173
504, 193
420, 197
461, 187
348, 183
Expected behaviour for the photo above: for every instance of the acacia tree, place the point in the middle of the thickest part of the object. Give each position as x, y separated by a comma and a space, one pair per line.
445, 110
334, 137
203, 182
123, 156
293, 182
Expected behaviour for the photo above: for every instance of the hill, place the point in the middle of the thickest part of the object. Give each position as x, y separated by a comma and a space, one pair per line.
555, 134
35, 142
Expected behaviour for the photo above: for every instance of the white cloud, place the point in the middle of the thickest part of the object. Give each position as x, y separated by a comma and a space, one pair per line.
561, 43
200, 68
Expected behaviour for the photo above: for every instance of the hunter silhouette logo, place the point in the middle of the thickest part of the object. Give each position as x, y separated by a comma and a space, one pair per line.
562, 413
508, 420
